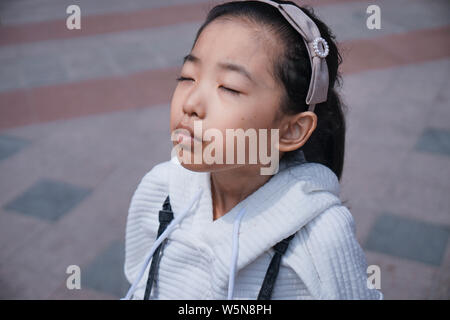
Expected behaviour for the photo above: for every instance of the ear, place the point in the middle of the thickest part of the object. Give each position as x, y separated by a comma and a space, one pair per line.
296, 130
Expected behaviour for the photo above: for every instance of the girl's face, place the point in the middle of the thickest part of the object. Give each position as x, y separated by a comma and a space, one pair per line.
226, 83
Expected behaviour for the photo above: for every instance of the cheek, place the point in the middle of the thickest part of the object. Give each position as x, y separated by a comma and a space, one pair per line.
246, 117
257, 119
245, 121
258, 114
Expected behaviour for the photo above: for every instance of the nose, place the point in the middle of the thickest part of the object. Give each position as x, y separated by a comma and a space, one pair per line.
195, 102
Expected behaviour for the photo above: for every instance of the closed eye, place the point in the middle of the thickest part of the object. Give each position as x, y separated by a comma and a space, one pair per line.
234, 92
184, 79
230, 90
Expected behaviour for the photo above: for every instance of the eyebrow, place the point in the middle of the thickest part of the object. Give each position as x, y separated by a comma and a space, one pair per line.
222, 65
191, 58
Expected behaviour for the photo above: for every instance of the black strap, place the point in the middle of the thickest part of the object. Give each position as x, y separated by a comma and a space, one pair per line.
265, 293
165, 217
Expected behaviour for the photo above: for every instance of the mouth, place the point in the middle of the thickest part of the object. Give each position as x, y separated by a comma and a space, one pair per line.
185, 135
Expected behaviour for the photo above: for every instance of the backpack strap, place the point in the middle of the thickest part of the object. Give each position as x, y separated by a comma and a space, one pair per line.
165, 217
280, 248
265, 293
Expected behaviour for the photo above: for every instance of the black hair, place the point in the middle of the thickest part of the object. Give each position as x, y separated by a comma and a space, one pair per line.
293, 69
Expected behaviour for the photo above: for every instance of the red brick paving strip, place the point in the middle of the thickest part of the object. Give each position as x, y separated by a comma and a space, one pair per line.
143, 89
395, 50
117, 22
101, 24
65, 101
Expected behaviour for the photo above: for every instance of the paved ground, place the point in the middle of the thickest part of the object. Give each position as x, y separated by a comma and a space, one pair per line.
84, 115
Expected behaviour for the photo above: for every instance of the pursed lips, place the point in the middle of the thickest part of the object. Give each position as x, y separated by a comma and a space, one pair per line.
185, 134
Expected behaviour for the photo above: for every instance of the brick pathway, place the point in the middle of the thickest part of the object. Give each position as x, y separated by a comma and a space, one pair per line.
84, 115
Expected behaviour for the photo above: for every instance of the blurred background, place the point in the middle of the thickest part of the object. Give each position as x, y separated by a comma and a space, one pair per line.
84, 114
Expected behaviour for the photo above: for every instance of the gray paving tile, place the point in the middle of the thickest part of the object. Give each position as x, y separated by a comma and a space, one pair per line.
10, 78
348, 20
15, 12
103, 55
105, 273
42, 70
408, 238
435, 141
48, 199
9, 145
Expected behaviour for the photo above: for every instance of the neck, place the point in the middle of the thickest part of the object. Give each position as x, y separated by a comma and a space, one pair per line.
231, 186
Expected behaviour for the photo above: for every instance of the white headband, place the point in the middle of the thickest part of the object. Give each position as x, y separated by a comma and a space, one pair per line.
318, 86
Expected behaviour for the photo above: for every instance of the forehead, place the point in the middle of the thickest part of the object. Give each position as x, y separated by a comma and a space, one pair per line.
239, 42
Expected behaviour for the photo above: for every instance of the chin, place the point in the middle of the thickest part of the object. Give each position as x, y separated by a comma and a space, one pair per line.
187, 162
196, 167
204, 167
208, 167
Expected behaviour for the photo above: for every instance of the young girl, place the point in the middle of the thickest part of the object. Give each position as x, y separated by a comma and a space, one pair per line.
217, 230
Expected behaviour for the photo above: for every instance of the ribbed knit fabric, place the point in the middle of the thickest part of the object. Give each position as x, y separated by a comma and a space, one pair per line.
323, 260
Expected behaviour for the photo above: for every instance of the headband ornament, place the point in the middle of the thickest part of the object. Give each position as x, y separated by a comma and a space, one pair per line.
317, 50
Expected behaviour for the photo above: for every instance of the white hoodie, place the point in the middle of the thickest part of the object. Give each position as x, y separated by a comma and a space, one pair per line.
202, 259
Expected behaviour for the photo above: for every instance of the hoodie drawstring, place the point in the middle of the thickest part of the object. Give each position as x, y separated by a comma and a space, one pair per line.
234, 253
158, 241
271, 274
